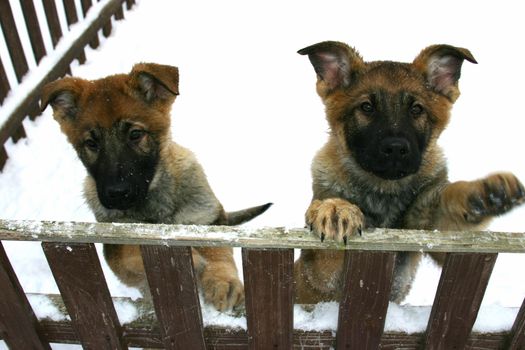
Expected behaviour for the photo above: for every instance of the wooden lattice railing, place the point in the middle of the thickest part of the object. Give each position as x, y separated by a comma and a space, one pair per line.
267, 256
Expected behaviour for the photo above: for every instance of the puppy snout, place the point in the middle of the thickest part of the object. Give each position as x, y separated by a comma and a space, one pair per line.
395, 147
118, 191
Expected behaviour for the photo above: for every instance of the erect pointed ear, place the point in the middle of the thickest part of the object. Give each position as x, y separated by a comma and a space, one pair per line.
62, 95
441, 66
334, 62
156, 81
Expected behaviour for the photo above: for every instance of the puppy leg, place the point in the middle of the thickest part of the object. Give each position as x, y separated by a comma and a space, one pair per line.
218, 278
334, 218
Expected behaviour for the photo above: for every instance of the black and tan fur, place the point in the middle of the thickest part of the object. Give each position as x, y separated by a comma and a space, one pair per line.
120, 128
382, 167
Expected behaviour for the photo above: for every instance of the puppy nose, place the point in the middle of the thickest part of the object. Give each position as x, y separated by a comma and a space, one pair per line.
120, 190
394, 147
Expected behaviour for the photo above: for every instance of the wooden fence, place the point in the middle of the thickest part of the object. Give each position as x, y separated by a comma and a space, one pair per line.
267, 256
93, 21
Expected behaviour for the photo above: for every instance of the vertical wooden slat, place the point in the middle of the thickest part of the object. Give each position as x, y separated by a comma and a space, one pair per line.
72, 18
3, 157
52, 21
20, 133
12, 39
106, 29
81, 282
517, 340
460, 291
4, 83
18, 324
130, 3
33, 30
86, 5
268, 278
173, 286
119, 15
364, 304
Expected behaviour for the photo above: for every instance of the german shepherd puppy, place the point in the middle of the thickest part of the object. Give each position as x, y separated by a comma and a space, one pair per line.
382, 167
120, 128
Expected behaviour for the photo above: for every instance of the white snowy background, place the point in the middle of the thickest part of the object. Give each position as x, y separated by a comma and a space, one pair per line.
249, 111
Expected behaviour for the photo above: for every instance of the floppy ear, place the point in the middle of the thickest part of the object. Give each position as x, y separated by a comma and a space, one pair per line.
155, 81
62, 95
334, 62
441, 66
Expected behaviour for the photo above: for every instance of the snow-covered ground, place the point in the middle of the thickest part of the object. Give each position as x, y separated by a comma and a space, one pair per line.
249, 110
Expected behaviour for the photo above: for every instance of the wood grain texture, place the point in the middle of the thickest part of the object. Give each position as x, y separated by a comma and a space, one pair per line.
460, 291
14, 46
268, 279
517, 340
173, 287
363, 307
33, 30
53, 23
19, 326
76, 269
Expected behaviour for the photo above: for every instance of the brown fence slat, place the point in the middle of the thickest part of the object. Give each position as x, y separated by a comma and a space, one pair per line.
12, 39
130, 3
364, 304
119, 15
268, 278
18, 324
33, 30
52, 21
72, 18
3, 157
81, 282
517, 340
460, 291
20, 133
4, 83
173, 286
86, 5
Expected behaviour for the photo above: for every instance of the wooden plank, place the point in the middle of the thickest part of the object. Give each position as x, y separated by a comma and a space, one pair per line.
130, 3
517, 340
362, 311
19, 112
107, 28
86, 5
237, 236
3, 157
72, 18
173, 286
268, 278
52, 21
81, 282
119, 15
18, 324
20, 133
4, 83
33, 30
16, 51
460, 291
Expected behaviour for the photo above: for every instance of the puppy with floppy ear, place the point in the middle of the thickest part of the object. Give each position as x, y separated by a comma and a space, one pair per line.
382, 166
120, 128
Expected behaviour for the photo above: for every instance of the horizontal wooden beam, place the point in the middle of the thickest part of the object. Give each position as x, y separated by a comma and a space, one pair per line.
210, 236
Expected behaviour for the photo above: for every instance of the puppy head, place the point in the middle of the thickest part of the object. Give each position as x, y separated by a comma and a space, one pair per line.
118, 126
385, 114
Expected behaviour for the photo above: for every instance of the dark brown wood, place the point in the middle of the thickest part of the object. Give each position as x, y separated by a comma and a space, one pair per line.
72, 18
517, 340
16, 51
20, 133
33, 96
460, 291
173, 286
268, 278
19, 326
107, 28
33, 30
3, 157
130, 3
119, 15
81, 282
364, 304
86, 5
52, 21
4, 83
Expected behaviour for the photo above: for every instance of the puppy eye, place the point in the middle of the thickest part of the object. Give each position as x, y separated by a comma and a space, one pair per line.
91, 145
367, 107
136, 135
416, 110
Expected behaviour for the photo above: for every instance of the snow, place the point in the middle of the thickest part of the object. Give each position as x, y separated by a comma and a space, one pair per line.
249, 111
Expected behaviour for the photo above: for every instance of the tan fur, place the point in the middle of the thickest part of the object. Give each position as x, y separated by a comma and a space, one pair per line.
348, 198
123, 120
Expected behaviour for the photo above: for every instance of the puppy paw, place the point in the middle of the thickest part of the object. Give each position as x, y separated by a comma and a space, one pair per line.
482, 199
334, 219
222, 288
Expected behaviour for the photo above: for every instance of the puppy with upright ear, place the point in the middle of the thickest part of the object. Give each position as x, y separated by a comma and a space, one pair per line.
120, 127
382, 166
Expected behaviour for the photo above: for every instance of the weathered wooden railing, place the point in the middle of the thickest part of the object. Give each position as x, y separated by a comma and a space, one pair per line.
267, 256
93, 19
